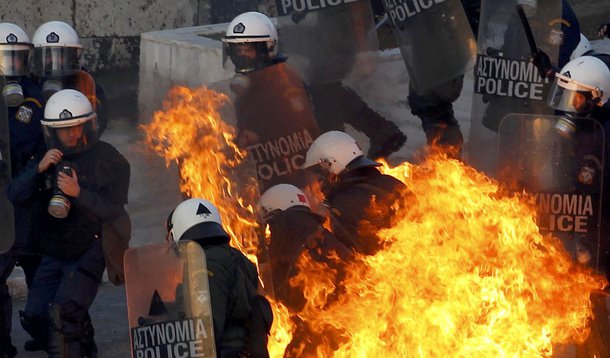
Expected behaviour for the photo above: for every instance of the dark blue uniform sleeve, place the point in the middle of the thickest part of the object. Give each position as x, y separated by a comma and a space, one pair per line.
23, 186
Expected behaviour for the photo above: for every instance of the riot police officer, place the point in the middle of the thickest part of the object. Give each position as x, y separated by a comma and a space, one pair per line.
297, 233
231, 276
56, 65
581, 90
24, 115
275, 119
78, 184
358, 195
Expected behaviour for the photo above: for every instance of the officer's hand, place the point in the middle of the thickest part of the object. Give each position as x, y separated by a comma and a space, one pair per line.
543, 63
604, 30
68, 184
51, 157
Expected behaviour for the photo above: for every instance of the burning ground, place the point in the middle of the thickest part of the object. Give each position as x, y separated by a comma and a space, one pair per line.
464, 272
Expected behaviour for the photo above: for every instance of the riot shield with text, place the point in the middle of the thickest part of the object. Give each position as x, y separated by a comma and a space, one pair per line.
274, 120
325, 41
435, 40
505, 81
6, 209
564, 173
168, 301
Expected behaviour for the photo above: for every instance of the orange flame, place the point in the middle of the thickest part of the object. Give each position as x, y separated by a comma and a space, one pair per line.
465, 272
190, 132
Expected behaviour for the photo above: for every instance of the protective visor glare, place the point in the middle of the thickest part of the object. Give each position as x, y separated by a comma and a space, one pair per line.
55, 61
244, 57
14, 60
567, 100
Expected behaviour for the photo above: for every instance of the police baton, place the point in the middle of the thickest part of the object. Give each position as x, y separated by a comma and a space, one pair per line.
528, 29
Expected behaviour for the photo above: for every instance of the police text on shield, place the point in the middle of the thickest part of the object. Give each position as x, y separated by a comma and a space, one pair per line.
286, 7
401, 10
175, 339
508, 78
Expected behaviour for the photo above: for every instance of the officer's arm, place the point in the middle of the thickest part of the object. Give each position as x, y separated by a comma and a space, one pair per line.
108, 203
23, 186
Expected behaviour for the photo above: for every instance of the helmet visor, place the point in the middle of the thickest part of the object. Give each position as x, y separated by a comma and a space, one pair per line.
14, 60
71, 139
55, 61
568, 100
244, 57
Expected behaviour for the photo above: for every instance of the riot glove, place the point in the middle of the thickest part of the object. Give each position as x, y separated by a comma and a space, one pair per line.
543, 63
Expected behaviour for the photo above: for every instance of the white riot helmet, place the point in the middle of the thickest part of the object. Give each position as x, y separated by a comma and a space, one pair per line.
65, 110
195, 219
336, 152
57, 49
582, 84
282, 197
15, 49
250, 32
583, 47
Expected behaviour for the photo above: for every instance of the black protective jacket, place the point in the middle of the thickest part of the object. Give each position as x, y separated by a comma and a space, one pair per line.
360, 203
229, 291
103, 175
293, 232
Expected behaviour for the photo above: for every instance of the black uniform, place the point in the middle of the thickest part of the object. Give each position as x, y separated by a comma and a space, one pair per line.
360, 205
231, 279
73, 263
295, 232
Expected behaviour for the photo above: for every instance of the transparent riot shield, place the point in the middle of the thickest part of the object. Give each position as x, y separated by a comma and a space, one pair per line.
7, 237
563, 171
168, 301
505, 81
274, 120
78, 80
326, 41
435, 40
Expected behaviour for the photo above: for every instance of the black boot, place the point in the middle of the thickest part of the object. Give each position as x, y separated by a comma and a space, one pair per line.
36, 327
89, 348
7, 349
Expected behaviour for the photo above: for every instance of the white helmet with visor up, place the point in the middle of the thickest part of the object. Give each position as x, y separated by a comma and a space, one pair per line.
580, 85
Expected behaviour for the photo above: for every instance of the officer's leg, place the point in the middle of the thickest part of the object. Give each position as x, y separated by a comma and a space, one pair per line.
78, 288
384, 135
435, 109
29, 263
7, 263
34, 318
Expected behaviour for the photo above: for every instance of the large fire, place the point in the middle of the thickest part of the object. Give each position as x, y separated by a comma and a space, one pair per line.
465, 272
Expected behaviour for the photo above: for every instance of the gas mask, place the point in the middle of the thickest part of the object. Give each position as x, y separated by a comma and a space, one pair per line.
12, 93
59, 205
566, 126
50, 86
